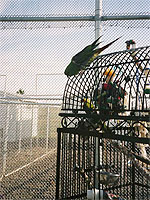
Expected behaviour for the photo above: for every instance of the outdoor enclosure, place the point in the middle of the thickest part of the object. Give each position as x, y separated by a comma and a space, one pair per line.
37, 41
28, 148
104, 145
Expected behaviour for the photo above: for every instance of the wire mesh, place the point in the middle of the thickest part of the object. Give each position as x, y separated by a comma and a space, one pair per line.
45, 7
32, 54
28, 148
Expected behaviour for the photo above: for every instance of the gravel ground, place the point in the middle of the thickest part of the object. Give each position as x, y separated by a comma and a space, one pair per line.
35, 181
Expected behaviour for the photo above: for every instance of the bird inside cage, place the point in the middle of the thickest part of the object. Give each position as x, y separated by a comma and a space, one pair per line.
110, 95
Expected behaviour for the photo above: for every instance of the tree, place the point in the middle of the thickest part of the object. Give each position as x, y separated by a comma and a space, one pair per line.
20, 91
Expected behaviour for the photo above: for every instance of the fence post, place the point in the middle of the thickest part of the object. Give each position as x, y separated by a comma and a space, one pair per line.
98, 30
58, 162
31, 145
20, 128
5, 139
47, 131
98, 15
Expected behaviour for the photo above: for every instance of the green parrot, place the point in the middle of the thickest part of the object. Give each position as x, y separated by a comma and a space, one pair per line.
85, 57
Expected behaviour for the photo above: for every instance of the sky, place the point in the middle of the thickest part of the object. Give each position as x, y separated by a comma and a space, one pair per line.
46, 7
25, 54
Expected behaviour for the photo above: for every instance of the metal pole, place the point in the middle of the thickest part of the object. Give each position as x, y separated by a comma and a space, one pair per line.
47, 131
98, 15
38, 18
31, 149
58, 163
6, 139
29, 103
30, 98
73, 18
37, 136
20, 127
36, 85
5, 136
98, 33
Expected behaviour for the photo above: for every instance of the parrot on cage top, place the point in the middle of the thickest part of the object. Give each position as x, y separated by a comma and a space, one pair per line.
85, 57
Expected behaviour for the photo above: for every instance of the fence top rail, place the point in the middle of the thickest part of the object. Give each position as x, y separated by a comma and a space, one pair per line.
30, 98
29, 103
73, 18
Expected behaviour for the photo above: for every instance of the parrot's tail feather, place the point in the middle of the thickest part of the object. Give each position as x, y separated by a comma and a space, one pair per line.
94, 43
106, 46
98, 44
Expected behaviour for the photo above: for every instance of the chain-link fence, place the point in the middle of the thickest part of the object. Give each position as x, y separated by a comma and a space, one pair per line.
33, 57
28, 146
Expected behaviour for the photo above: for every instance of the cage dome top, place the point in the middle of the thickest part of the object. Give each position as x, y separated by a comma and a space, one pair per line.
115, 82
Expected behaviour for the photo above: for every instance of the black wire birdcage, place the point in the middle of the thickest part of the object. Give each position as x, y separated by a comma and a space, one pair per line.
103, 145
